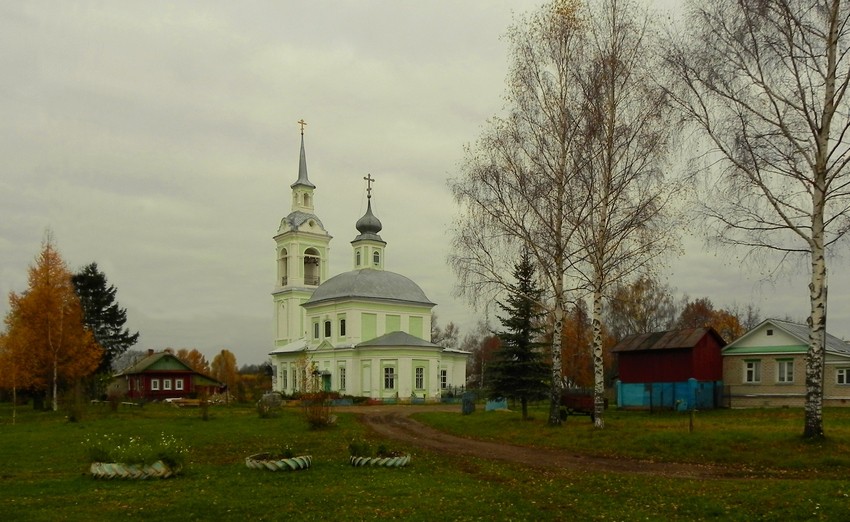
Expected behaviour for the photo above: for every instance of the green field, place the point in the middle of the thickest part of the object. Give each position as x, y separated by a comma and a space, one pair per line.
43, 469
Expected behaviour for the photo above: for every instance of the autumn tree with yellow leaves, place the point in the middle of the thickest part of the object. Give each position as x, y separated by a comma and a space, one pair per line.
46, 345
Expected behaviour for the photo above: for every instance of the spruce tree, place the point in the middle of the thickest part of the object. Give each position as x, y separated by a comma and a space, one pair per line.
519, 371
102, 316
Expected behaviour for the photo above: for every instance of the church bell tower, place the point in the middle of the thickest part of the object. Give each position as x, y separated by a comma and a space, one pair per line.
301, 248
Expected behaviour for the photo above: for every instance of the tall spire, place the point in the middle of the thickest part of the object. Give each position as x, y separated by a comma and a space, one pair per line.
302, 165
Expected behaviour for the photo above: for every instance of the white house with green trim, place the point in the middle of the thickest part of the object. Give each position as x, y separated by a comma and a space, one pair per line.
766, 367
364, 332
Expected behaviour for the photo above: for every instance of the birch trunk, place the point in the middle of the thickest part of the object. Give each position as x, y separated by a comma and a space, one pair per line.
555, 389
816, 353
598, 365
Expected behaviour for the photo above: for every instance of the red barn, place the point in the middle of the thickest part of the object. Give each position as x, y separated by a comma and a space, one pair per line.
668, 368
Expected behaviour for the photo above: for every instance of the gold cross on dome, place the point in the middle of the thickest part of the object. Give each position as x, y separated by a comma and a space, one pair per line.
369, 179
302, 123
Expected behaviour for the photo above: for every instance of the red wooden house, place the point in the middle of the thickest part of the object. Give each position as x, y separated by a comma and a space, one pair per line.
673, 369
159, 376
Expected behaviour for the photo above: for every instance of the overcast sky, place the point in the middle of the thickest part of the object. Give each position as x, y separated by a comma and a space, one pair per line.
159, 139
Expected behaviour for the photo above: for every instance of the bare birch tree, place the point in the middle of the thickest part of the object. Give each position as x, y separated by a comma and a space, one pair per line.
627, 136
516, 189
766, 81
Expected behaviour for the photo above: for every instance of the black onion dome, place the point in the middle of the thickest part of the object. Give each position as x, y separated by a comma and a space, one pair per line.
369, 224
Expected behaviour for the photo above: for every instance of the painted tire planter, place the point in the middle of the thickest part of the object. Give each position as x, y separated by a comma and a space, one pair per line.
266, 461
387, 462
121, 471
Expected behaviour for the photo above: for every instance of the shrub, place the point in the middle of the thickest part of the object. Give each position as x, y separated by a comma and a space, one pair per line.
317, 410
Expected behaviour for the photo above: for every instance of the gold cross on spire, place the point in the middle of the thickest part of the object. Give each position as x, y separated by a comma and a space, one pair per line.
369, 179
302, 123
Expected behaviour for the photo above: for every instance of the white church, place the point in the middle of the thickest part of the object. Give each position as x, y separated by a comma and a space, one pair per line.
365, 332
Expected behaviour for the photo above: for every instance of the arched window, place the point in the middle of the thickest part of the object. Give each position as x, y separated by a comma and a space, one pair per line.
283, 267
311, 267
357, 258
376, 258
306, 200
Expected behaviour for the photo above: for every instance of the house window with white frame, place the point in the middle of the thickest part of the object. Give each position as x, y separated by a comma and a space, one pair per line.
389, 378
178, 384
419, 378
166, 384
842, 376
154, 384
283, 379
785, 371
752, 372
444, 379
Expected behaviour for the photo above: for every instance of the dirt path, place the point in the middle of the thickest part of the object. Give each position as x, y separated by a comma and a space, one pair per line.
394, 422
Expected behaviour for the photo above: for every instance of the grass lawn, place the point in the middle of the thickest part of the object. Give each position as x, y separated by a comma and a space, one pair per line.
43, 469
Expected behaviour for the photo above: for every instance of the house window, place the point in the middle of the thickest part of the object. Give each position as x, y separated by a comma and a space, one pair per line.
327, 328
769, 331
342, 327
315, 330
178, 384
154, 384
342, 377
785, 371
752, 372
842, 376
166, 384
420, 378
389, 378
444, 379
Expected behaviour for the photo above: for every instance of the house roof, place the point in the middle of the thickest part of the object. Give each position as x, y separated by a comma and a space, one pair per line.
669, 340
166, 361
799, 332
158, 359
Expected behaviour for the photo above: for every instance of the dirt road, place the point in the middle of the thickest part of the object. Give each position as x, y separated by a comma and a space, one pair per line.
395, 422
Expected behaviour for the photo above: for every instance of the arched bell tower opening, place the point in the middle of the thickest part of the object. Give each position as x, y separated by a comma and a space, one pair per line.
312, 267
283, 267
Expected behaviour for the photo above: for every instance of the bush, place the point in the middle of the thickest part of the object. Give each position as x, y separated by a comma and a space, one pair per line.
317, 410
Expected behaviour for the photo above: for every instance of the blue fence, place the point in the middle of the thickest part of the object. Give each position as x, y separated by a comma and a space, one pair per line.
681, 396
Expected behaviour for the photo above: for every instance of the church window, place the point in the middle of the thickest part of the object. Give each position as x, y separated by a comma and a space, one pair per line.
357, 258
307, 204
316, 330
376, 258
444, 379
342, 377
327, 328
283, 379
342, 327
389, 378
420, 378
